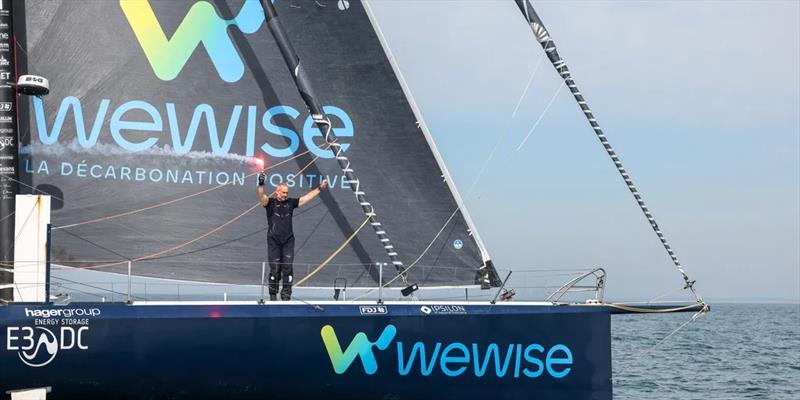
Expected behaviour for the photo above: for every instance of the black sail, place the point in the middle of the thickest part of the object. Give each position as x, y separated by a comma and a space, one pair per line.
155, 104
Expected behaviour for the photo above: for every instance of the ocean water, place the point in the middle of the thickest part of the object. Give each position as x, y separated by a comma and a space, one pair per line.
738, 351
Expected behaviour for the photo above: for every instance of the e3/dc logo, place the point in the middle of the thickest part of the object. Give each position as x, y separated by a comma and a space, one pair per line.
38, 346
201, 24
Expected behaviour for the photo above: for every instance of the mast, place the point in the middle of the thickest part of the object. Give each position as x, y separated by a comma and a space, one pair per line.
323, 123
544, 39
9, 146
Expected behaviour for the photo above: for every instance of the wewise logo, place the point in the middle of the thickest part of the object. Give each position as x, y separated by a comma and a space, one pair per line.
360, 347
201, 25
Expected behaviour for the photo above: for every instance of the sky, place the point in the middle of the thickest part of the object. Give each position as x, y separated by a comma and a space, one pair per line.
701, 101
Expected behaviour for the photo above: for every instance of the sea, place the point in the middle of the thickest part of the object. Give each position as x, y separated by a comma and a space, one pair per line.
737, 351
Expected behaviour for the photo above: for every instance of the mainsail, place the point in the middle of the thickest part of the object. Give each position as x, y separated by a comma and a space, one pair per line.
161, 113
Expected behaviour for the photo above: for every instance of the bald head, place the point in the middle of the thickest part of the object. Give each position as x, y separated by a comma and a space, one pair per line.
282, 191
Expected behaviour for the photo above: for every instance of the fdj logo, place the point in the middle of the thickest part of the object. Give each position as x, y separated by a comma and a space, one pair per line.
454, 359
201, 24
38, 346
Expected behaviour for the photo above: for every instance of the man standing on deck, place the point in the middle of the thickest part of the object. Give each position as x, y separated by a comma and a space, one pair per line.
280, 237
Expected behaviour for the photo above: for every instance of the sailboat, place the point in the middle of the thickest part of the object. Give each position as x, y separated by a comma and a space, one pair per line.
142, 161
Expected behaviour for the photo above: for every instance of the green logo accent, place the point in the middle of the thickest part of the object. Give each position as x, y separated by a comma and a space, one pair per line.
201, 25
360, 346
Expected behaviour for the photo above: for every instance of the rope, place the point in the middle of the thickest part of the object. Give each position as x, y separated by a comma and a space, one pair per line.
335, 253
678, 329
212, 231
184, 244
166, 203
651, 311
480, 173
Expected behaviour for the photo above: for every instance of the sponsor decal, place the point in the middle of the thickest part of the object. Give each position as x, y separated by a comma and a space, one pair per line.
6, 106
458, 244
4, 36
454, 359
38, 346
6, 141
62, 312
7, 170
368, 310
443, 309
168, 130
201, 25
54, 331
4, 61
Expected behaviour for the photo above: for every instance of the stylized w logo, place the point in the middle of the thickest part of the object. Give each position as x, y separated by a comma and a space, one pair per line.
360, 346
200, 25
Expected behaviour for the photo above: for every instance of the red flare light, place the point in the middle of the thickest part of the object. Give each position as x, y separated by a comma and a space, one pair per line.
258, 163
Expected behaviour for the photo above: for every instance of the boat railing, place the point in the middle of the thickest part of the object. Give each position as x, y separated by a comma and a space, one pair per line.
135, 281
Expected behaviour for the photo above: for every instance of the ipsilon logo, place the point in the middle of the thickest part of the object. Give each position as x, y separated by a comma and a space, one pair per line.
451, 359
201, 24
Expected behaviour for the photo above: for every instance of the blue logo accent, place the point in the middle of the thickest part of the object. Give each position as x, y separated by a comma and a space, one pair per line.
458, 244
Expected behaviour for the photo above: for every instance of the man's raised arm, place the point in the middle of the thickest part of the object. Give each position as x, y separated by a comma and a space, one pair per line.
262, 197
313, 193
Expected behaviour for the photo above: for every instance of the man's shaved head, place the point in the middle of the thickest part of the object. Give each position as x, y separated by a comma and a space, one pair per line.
282, 191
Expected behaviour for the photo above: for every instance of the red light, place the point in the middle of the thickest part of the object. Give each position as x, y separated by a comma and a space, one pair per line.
215, 314
258, 163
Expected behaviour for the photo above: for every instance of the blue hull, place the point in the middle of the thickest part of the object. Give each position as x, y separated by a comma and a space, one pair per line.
294, 351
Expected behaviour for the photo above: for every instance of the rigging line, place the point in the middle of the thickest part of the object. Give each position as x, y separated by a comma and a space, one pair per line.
96, 244
651, 311
335, 253
8, 216
539, 120
482, 171
220, 244
11, 245
478, 176
678, 329
390, 281
528, 85
543, 37
516, 151
123, 214
179, 246
162, 252
91, 286
32, 188
506, 131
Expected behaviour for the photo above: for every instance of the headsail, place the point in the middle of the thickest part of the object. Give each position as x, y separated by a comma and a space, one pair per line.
151, 143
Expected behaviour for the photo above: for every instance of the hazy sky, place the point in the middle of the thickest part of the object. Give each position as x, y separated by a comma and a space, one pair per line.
700, 99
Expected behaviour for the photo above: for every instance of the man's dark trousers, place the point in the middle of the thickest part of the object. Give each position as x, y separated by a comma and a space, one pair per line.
280, 255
